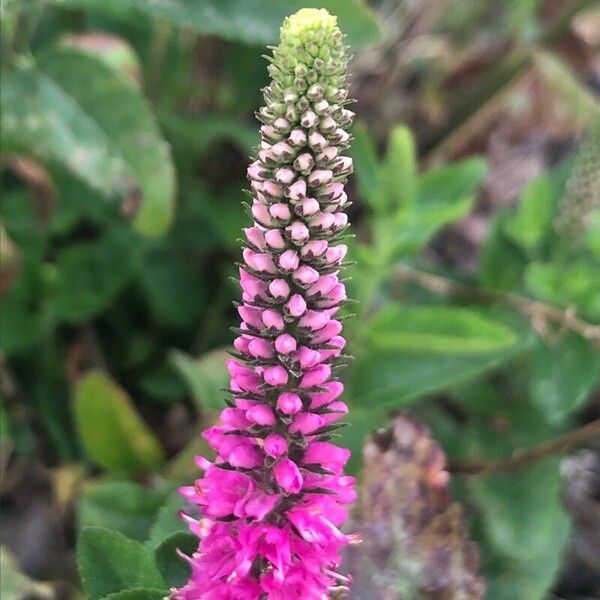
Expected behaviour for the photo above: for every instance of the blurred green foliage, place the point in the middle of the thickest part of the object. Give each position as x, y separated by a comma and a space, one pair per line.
121, 209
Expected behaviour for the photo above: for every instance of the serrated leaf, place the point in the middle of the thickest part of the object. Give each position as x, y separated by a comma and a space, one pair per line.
112, 432
174, 568
414, 539
109, 562
252, 21
443, 329
564, 373
206, 376
121, 506
167, 522
73, 109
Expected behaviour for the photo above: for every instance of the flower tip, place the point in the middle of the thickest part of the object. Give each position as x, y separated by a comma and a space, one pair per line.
305, 20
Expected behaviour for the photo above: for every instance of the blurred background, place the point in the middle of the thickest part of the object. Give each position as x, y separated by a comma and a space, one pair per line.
126, 131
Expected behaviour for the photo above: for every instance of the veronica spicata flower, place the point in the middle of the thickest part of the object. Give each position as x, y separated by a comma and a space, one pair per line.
272, 503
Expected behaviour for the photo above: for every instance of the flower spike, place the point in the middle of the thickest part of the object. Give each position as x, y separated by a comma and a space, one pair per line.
272, 503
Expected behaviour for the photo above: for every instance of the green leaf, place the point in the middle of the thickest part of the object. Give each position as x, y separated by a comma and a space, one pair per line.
109, 562
20, 326
138, 594
206, 376
533, 220
121, 506
502, 261
442, 185
576, 284
87, 277
73, 109
173, 287
394, 378
563, 375
113, 434
397, 174
442, 329
252, 21
175, 569
167, 522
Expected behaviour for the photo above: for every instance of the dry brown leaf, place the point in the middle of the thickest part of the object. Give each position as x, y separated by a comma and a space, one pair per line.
414, 540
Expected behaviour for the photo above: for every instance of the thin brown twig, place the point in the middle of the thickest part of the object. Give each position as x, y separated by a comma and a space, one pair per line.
540, 313
524, 458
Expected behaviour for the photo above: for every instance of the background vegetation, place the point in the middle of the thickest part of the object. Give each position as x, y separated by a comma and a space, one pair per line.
126, 127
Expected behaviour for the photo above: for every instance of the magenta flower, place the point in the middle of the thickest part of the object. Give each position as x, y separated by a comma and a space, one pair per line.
272, 503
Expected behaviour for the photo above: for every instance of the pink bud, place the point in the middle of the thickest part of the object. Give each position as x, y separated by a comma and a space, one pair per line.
285, 344
288, 476
322, 287
255, 236
241, 343
307, 357
282, 150
341, 220
296, 305
317, 141
297, 190
256, 171
320, 177
279, 288
322, 220
276, 376
304, 162
261, 414
251, 316
314, 248
272, 189
306, 423
324, 453
307, 207
336, 254
285, 175
289, 403
308, 119
313, 320
258, 262
330, 330
275, 445
235, 417
280, 211
260, 348
274, 238
247, 457
289, 260
272, 319
298, 231
261, 213
306, 275
297, 137
316, 376
333, 391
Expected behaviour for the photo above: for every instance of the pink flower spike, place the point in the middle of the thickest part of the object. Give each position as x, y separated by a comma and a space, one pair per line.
288, 476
